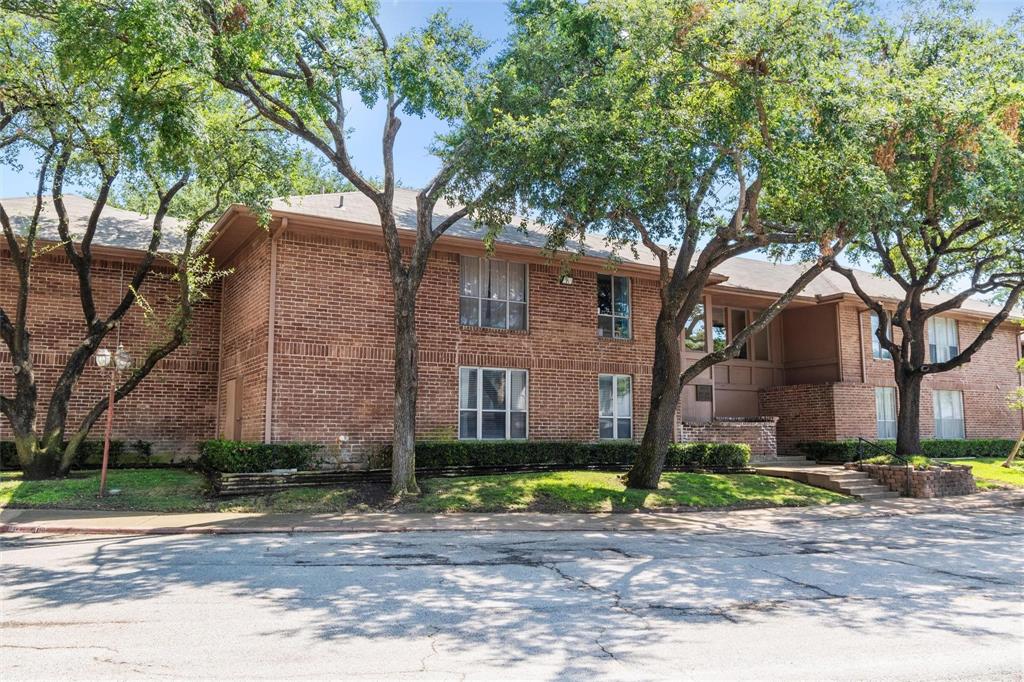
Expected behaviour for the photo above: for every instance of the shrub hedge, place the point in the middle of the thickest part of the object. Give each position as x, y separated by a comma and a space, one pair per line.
90, 454
846, 450
451, 453
237, 457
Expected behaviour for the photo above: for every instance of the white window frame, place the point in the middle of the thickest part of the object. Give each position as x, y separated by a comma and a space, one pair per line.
938, 404
885, 396
480, 298
944, 329
613, 316
480, 410
877, 351
615, 416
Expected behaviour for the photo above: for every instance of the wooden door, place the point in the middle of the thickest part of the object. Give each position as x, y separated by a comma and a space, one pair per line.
232, 427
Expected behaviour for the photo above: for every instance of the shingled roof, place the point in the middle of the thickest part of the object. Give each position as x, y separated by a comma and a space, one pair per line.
116, 228
130, 230
749, 274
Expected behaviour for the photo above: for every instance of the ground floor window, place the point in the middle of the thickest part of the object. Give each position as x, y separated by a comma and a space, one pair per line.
885, 412
615, 410
948, 407
493, 403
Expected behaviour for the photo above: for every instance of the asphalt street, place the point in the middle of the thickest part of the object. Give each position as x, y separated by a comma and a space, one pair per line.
924, 597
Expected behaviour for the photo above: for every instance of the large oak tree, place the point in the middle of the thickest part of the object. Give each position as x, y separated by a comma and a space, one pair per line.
127, 132
944, 93
698, 131
300, 64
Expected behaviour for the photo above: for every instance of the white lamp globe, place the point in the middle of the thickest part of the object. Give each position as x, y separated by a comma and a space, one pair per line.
103, 357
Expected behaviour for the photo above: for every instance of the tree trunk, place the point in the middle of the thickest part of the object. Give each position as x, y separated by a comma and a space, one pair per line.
403, 451
1015, 451
661, 419
37, 463
908, 419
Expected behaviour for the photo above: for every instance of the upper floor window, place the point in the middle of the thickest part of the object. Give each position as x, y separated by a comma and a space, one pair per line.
727, 322
948, 407
492, 293
615, 406
877, 351
695, 335
943, 339
493, 403
613, 309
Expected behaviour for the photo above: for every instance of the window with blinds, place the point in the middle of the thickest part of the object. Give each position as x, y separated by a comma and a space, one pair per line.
948, 407
492, 293
943, 339
885, 412
615, 406
493, 403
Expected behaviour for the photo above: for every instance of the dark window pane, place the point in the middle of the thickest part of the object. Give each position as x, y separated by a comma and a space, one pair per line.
622, 296
517, 426
622, 327
469, 311
467, 425
696, 330
494, 389
737, 323
604, 295
467, 388
493, 425
606, 427
625, 428
517, 316
718, 335
495, 314
604, 325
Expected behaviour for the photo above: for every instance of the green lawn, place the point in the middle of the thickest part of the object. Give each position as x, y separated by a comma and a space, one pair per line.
989, 472
171, 490
165, 490
596, 491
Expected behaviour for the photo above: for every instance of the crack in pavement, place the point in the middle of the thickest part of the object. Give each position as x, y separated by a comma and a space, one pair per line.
810, 586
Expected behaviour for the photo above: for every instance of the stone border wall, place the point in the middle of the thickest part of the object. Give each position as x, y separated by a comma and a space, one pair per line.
757, 432
936, 482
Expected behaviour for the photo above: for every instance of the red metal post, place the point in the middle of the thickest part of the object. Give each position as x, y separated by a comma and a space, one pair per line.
106, 435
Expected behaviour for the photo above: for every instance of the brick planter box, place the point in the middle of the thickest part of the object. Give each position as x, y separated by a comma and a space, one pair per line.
935, 482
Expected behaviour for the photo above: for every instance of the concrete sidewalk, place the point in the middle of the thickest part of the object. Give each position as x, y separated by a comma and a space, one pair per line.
143, 523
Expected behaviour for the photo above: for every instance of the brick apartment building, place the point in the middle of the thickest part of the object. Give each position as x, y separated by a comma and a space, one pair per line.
295, 343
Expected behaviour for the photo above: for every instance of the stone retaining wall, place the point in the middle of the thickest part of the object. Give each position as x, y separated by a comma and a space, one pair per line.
757, 432
937, 482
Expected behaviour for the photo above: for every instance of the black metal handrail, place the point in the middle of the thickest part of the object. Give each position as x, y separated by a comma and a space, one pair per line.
861, 442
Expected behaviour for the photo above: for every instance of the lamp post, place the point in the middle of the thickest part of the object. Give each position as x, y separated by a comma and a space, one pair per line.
118, 361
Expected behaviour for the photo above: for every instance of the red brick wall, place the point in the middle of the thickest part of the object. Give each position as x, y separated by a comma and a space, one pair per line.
805, 412
757, 432
985, 380
333, 346
846, 409
243, 334
173, 407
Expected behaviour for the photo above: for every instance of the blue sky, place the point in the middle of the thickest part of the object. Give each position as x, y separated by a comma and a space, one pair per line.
413, 162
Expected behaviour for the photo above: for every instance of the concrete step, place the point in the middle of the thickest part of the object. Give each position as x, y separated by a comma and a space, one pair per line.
837, 479
881, 495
